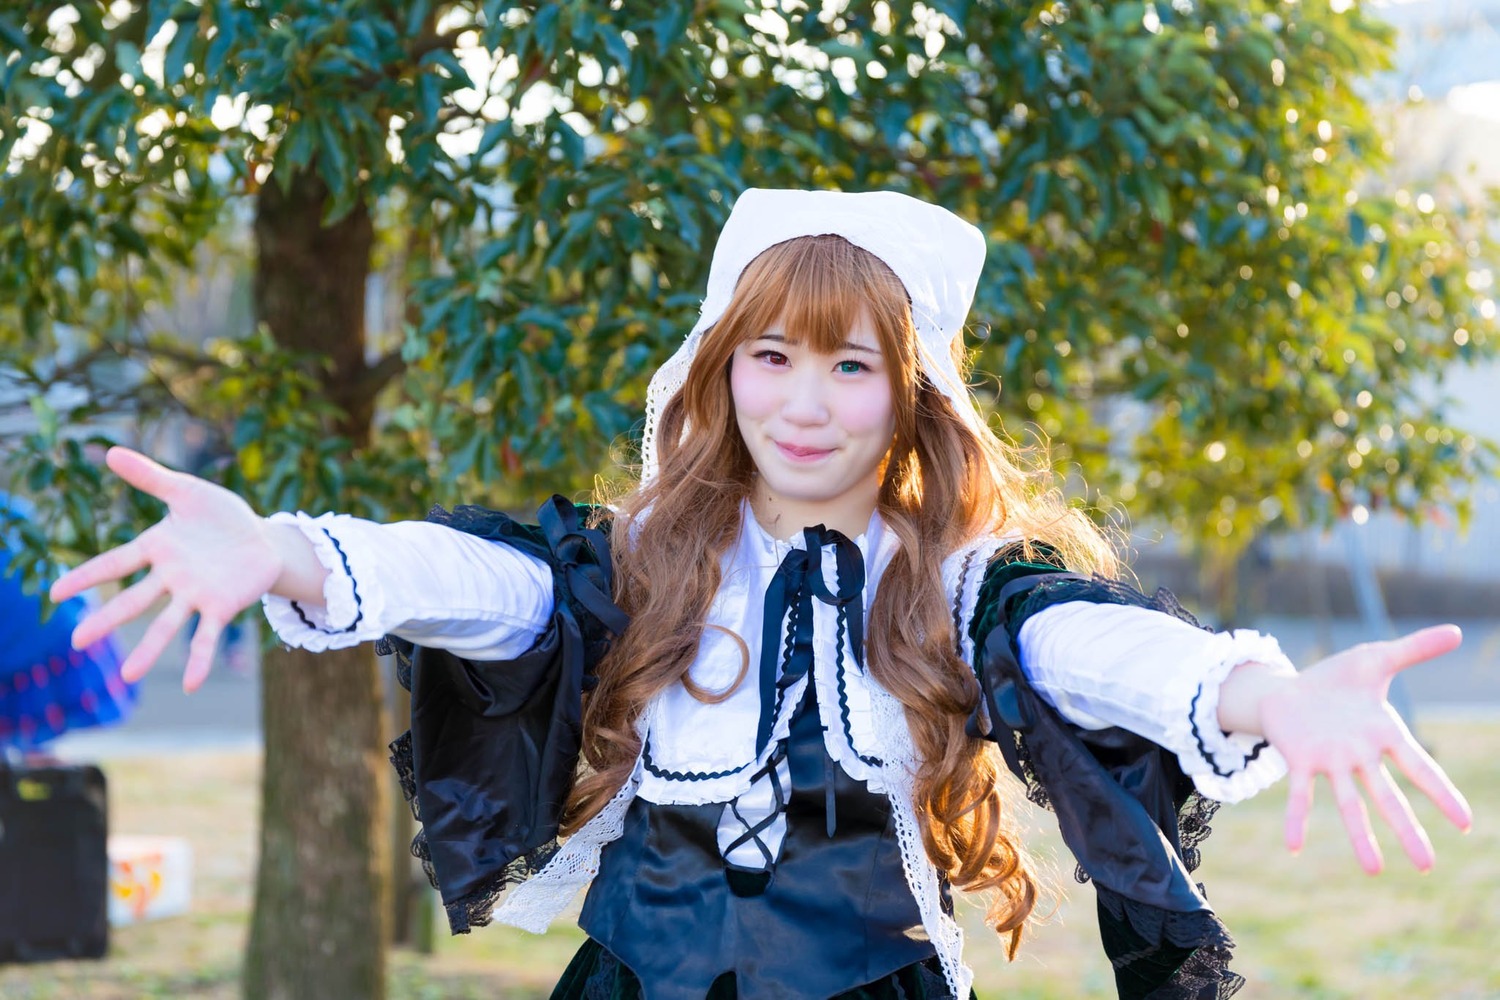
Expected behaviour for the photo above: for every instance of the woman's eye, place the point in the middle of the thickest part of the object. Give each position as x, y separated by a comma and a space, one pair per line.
771, 357
852, 367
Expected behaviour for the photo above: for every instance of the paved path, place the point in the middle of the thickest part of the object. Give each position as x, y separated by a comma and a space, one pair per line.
225, 712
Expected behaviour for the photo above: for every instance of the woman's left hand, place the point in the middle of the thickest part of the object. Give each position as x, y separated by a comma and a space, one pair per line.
1334, 719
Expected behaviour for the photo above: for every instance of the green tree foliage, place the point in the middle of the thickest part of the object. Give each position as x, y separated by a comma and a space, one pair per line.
1199, 285
1196, 271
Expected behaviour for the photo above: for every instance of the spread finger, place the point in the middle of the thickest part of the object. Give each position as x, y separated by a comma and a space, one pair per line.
160, 632
130, 603
1356, 821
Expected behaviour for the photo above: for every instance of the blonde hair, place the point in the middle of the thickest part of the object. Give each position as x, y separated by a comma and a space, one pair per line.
948, 481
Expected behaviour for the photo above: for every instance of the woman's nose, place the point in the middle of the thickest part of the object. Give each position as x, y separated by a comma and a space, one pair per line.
805, 401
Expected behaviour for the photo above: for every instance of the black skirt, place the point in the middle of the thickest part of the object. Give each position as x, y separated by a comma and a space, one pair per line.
595, 974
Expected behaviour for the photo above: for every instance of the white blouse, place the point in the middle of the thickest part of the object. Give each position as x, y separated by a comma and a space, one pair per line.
1099, 665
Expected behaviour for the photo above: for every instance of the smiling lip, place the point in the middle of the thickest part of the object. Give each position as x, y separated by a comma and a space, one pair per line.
796, 454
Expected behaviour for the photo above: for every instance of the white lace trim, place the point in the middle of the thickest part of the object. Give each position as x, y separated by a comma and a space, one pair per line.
348, 616
535, 903
690, 737
666, 791
1229, 752
963, 572
936, 255
921, 874
538, 901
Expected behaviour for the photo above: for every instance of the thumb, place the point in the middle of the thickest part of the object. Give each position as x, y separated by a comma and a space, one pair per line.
1419, 647
144, 474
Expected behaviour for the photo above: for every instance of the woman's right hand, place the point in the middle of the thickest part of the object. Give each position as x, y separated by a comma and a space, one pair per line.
211, 554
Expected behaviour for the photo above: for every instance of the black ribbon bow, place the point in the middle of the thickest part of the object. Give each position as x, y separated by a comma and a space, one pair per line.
797, 581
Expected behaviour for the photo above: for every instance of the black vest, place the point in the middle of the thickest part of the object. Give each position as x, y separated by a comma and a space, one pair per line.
834, 914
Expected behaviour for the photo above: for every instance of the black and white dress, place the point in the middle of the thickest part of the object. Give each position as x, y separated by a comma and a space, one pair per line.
778, 825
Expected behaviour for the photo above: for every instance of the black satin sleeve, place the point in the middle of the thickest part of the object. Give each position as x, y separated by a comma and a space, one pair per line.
1127, 812
493, 747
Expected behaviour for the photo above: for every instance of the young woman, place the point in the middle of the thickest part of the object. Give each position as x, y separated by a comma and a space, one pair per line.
764, 697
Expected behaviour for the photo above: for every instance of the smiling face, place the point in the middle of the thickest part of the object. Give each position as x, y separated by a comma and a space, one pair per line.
817, 426
800, 391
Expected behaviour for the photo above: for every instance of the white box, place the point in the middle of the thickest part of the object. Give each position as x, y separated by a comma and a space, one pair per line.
149, 878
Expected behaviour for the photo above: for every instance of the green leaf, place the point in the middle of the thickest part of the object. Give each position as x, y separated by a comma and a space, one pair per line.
669, 24
219, 48
333, 158
1358, 231
544, 28
1036, 204
429, 97
128, 237
179, 49
1130, 137
13, 34
615, 45
416, 16
297, 146
493, 133
570, 141
46, 419
489, 255
128, 58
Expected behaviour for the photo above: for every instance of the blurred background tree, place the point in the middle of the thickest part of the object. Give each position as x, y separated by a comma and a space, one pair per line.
1199, 287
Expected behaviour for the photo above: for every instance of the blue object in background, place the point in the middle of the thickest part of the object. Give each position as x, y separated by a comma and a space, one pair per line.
47, 687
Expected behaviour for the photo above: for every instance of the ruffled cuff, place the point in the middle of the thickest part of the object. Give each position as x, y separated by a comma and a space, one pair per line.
352, 600
1228, 767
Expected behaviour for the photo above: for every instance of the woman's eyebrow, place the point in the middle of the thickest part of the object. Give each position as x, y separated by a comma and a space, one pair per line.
847, 345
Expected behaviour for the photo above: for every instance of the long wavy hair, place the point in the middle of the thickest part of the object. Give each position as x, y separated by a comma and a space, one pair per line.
948, 481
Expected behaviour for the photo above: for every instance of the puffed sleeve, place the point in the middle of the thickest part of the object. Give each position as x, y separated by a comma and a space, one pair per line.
425, 582
1105, 664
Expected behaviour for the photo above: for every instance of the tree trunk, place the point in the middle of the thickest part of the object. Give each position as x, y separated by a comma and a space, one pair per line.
319, 928
409, 887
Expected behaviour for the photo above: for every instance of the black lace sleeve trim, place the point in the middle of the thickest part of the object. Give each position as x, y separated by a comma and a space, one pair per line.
1049, 593
359, 608
473, 909
488, 823
1177, 950
1203, 750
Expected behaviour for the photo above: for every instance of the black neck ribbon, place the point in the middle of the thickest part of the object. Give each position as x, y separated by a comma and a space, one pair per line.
797, 581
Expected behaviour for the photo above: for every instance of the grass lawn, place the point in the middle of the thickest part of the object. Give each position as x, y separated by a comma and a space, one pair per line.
1311, 926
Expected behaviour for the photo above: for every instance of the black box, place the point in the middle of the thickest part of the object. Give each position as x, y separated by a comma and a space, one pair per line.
54, 866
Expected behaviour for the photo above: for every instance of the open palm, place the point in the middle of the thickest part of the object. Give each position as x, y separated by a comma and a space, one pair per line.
1335, 721
210, 554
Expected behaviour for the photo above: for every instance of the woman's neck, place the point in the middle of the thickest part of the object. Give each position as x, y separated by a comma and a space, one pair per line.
784, 517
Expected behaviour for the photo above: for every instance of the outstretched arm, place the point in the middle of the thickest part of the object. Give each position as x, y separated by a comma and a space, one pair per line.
211, 554
1334, 719
1216, 699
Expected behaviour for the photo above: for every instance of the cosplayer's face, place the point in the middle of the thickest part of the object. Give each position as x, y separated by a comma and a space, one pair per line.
817, 427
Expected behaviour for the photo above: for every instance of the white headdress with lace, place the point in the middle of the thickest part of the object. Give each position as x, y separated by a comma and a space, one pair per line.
936, 254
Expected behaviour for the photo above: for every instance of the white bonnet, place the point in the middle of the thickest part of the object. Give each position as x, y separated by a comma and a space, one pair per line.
936, 254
